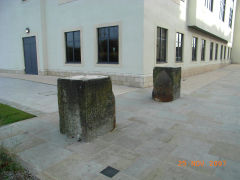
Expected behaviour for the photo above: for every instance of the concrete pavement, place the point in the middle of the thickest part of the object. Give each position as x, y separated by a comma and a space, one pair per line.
150, 139
36, 94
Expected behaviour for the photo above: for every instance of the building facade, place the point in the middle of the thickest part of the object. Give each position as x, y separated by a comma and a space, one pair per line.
121, 38
236, 40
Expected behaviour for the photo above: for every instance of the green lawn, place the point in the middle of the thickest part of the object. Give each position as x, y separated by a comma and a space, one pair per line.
10, 115
7, 163
11, 169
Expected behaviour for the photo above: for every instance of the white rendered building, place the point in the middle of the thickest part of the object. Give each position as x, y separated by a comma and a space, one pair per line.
236, 40
121, 38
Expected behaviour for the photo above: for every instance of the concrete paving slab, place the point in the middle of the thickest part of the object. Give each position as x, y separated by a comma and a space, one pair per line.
150, 139
229, 172
20, 143
167, 171
10, 131
226, 151
74, 168
34, 95
43, 156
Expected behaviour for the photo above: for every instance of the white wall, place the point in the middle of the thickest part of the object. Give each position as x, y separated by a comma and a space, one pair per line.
236, 41
172, 15
203, 18
49, 19
87, 15
15, 17
138, 21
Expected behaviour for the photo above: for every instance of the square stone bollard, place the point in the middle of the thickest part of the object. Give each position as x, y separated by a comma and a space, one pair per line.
166, 83
86, 106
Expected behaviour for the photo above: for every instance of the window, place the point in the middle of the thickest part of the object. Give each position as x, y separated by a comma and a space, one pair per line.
203, 50
231, 13
228, 53
211, 51
194, 48
216, 52
224, 52
221, 55
108, 45
230, 17
161, 44
222, 9
73, 47
179, 47
209, 4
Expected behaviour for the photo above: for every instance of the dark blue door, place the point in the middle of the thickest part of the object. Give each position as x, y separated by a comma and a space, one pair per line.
30, 55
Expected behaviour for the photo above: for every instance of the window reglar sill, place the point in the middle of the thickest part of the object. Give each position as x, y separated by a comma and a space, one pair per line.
111, 63
73, 63
161, 62
179, 61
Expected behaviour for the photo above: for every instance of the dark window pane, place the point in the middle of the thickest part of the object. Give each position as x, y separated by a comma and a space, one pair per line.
73, 48
177, 54
221, 55
69, 36
77, 47
179, 47
77, 51
102, 45
211, 51
225, 52
180, 53
216, 52
69, 46
113, 45
222, 9
161, 45
194, 48
163, 48
209, 4
108, 45
158, 45
76, 36
203, 50
228, 56
230, 17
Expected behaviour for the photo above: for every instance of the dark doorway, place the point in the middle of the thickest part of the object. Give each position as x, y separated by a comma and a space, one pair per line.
30, 55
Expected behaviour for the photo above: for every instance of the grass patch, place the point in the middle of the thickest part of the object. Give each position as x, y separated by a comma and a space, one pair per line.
11, 169
7, 164
10, 115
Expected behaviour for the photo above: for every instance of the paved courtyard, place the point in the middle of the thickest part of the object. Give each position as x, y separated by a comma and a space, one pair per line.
149, 141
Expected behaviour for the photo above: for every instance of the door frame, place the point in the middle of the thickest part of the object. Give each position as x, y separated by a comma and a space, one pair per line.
37, 50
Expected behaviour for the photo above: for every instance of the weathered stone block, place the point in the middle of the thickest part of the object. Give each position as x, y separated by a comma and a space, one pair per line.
166, 84
86, 106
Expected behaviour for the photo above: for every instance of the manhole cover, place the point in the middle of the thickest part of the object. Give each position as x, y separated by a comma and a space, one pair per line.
109, 171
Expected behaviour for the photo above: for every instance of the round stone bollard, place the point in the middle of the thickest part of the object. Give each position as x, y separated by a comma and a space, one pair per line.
166, 83
86, 106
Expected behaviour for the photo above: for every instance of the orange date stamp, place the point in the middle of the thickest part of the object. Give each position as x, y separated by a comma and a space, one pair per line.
185, 163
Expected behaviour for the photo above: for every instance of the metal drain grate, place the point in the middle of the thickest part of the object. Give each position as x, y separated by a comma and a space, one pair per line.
109, 171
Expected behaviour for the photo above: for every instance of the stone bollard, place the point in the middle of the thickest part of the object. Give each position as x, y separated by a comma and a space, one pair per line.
86, 106
166, 84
